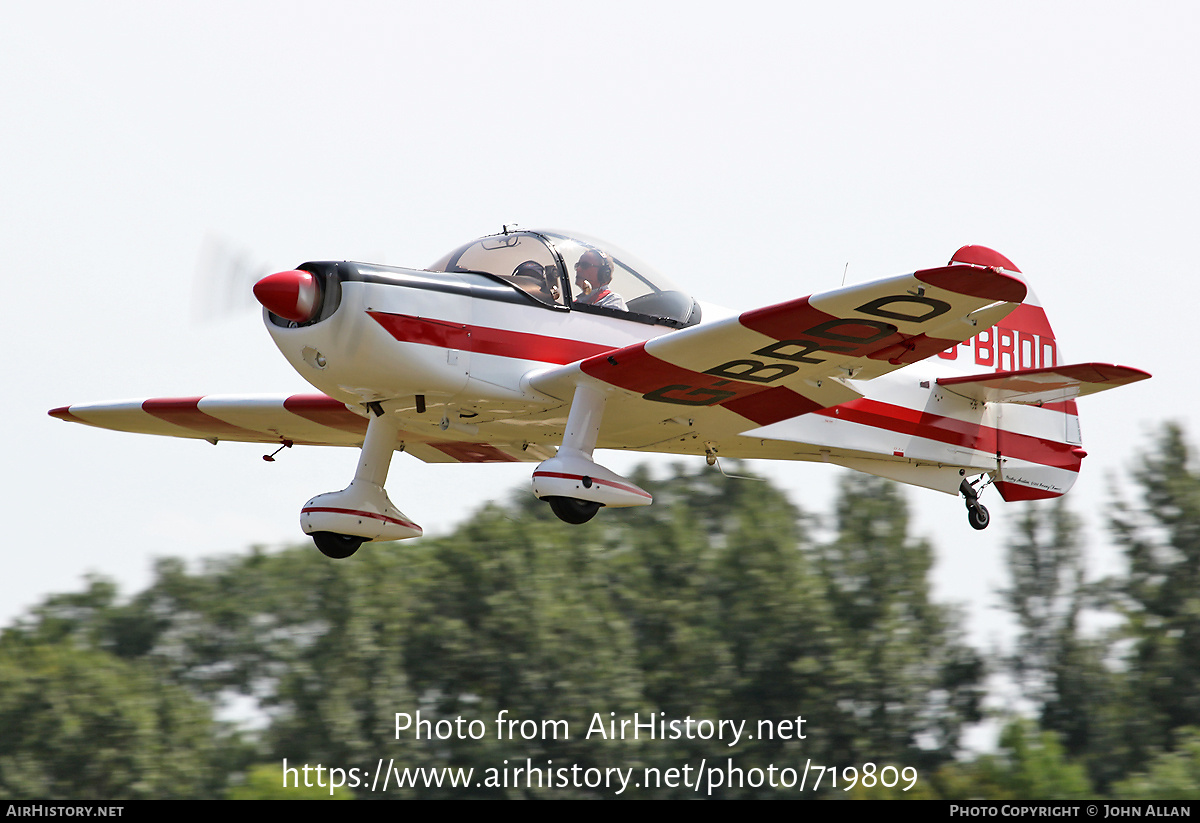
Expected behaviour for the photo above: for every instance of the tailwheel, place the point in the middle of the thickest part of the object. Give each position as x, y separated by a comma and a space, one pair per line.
978, 517
337, 546
572, 510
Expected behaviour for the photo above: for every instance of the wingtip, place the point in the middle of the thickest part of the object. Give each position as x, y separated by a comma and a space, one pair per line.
989, 283
982, 256
63, 413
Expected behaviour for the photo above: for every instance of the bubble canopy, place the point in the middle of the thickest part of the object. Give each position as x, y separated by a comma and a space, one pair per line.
542, 263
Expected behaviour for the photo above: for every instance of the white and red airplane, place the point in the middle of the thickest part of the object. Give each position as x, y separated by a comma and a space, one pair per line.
544, 346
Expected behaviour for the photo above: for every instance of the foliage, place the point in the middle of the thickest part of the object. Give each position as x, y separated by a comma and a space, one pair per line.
715, 603
264, 782
1031, 764
904, 680
1046, 596
1173, 775
1160, 598
83, 724
718, 602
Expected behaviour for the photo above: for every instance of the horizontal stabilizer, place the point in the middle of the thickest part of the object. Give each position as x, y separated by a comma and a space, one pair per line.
1049, 385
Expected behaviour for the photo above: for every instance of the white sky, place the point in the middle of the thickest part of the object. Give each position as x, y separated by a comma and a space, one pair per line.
748, 151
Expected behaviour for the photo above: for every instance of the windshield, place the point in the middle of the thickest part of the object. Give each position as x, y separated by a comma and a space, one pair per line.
520, 258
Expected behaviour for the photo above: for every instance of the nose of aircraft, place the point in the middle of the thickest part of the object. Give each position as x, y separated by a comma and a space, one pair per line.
293, 295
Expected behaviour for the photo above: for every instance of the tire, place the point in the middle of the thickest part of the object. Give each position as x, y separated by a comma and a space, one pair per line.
570, 510
337, 546
978, 517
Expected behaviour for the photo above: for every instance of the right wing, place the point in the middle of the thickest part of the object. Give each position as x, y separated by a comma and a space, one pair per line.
299, 419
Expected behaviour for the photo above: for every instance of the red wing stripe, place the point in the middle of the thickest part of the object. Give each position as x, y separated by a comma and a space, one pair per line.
783, 320
772, 405
786, 321
486, 340
186, 412
913, 350
64, 413
975, 282
325, 411
639, 371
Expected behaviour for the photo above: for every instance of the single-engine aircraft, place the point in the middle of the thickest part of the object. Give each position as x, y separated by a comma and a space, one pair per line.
544, 346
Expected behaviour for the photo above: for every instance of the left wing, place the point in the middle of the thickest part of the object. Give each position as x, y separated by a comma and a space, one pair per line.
791, 358
300, 419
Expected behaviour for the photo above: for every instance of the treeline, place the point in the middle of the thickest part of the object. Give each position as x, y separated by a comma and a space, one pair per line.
722, 602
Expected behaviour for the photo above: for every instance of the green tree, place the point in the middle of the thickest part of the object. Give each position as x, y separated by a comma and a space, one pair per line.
1173, 775
1046, 596
265, 782
716, 603
1073, 680
1160, 598
1031, 765
906, 682
83, 724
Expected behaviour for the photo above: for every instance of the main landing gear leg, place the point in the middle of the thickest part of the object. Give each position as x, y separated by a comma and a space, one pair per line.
340, 522
977, 515
572, 483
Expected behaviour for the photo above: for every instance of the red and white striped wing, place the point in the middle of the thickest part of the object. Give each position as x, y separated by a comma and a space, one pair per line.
301, 419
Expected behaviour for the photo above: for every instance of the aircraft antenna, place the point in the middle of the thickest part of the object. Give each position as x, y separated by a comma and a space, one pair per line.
710, 456
844, 272
717, 461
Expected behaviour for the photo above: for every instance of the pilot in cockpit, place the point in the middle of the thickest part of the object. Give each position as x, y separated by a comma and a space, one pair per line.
593, 274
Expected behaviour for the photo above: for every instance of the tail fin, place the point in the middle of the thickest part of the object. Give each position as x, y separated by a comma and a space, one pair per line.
1039, 444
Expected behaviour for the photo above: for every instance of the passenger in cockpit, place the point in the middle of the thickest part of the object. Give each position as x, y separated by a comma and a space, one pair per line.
593, 274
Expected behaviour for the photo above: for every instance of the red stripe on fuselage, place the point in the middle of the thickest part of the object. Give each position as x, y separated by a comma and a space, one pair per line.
486, 340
